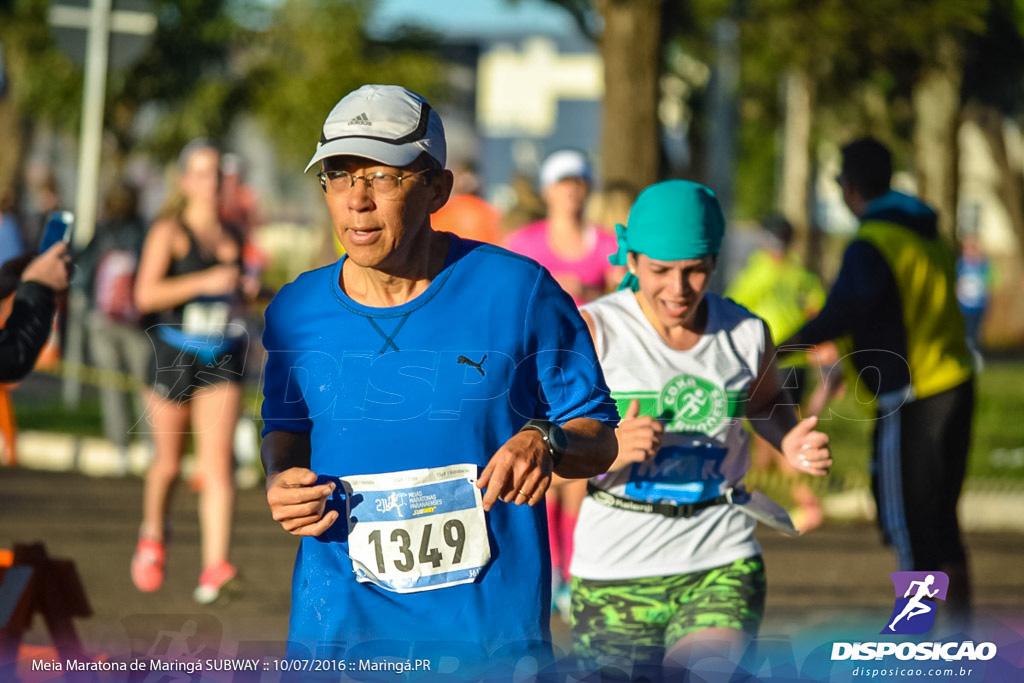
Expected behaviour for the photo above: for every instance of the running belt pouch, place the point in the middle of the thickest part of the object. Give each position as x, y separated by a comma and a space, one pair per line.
767, 511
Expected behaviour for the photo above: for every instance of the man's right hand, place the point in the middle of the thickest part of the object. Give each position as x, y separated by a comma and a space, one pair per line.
49, 268
298, 502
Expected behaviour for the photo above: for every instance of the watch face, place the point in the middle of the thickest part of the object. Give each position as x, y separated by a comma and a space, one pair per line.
559, 441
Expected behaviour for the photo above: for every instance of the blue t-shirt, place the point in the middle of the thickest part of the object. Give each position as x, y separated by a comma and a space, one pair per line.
446, 378
973, 277
10, 239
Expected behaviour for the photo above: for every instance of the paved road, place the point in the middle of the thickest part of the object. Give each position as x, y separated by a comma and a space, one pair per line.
834, 578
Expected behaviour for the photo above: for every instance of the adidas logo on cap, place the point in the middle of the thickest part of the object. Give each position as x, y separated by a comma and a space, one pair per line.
360, 120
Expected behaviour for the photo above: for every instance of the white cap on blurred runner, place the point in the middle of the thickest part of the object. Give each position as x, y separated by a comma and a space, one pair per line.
565, 163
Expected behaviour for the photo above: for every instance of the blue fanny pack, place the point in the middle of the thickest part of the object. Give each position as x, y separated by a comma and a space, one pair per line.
203, 348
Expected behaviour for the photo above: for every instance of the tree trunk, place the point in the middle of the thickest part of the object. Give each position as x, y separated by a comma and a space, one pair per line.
15, 129
798, 101
631, 50
936, 113
13, 132
990, 123
1004, 320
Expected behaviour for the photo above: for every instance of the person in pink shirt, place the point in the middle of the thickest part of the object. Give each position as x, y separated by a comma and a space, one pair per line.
575, 252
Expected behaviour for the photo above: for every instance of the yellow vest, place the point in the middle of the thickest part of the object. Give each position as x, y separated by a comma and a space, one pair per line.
925, 273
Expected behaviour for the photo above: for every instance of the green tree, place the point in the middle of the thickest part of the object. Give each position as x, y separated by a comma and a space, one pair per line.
890, 68
640, 42
817, 70
313, 52
185, 77
991, 96
39, 80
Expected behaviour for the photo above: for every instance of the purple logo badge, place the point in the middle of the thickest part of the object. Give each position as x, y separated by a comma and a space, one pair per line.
916, 593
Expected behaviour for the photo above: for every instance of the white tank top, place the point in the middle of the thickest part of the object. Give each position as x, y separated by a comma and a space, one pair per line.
701, 394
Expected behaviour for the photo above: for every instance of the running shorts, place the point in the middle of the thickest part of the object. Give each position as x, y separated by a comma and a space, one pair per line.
639, 619
175, 374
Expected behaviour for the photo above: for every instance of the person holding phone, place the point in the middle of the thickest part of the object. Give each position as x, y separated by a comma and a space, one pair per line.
36, 280
190, 279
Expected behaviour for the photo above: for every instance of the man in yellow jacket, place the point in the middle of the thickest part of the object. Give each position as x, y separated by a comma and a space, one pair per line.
895, 298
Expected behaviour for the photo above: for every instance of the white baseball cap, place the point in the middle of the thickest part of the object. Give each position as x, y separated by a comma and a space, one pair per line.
565, 163
386, 123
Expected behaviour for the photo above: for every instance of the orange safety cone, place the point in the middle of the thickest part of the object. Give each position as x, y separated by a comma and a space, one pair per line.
8, 425
8, 428
49, 356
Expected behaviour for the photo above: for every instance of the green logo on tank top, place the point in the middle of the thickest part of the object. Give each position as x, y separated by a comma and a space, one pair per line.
692, 404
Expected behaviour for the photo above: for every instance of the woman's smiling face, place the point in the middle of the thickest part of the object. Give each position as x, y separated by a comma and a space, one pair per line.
672, 290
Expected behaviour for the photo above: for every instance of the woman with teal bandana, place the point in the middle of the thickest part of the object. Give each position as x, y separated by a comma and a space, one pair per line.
666, 563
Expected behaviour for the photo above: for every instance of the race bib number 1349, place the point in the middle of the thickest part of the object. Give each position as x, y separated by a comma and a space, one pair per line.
418, 530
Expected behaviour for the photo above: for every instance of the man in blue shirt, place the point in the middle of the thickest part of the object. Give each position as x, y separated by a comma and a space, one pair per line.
419, 393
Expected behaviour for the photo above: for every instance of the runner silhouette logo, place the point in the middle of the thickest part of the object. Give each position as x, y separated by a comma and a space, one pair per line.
916, 595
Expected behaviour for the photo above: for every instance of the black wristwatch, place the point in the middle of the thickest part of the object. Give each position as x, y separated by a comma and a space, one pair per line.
554, 438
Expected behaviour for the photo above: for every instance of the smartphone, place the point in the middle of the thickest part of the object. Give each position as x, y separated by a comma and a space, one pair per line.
59, 225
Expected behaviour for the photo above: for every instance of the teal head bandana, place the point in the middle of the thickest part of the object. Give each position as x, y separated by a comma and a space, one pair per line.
669, 221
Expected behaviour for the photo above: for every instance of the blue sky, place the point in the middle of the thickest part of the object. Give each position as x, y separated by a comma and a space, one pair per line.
473, 17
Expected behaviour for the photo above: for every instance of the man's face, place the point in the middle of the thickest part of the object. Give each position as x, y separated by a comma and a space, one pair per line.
375, 229
853, 199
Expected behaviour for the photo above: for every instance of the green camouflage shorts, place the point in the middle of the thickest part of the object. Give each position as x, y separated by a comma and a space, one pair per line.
639, 619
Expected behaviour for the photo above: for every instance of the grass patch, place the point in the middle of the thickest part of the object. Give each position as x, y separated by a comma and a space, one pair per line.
997, 447
998, 431
35, 412
49, 415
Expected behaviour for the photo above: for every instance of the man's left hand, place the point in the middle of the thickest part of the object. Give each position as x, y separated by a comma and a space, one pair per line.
520, 472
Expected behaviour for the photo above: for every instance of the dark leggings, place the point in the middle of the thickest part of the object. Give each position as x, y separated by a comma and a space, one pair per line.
920, 459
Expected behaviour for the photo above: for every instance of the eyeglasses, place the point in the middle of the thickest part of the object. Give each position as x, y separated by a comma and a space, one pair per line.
383, 185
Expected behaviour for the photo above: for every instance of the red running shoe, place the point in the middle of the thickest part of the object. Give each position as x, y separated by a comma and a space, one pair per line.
148, 565
215, 580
